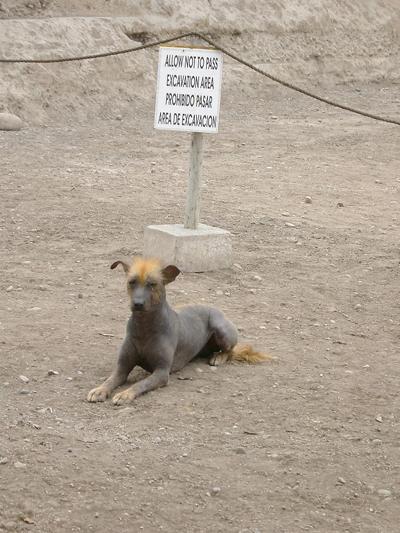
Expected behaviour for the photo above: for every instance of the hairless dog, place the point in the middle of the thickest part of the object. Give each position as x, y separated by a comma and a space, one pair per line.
161, 340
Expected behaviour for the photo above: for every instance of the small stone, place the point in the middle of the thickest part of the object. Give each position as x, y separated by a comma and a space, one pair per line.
239, 267
384, 492
341, 480
257, 278
24, 378
308, 200
357, 307
80, 296
379, 419
285, 214
240, 451
219, 293
9, 289
3, 460
199, 370
215, 491
34, 309
24, 391
10, 122
52, 373
118, 117
376, 441
340, 204
18, 464
290, 225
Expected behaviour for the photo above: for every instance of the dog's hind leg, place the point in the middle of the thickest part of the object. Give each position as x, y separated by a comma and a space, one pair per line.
126, 361
224, 335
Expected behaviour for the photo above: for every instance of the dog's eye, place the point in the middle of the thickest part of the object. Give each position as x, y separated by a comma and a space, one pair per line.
132, 282
152, 284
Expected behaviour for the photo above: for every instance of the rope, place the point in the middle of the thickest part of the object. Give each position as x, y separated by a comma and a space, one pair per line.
221, 49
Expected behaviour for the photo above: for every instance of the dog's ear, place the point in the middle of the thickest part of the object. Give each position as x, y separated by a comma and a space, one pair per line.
124, 265
169, 273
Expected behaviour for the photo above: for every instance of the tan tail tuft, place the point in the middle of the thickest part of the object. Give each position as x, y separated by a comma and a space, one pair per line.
244, 353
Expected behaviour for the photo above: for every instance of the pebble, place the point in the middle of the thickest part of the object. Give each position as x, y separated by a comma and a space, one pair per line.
239, 267
340, 204
10, 122
9, 289
215, 491
24, 378
357, 307
290, 225
308, 200
379, 418
52, 373
24, 391
219, 293
118, 117
257, 278
18, 464
384, 492
3, 460
341, 480
285, 214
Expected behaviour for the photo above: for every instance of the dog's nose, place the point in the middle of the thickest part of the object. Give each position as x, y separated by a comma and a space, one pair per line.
139, 306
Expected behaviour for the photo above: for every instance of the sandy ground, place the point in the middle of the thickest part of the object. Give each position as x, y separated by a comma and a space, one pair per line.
307, 443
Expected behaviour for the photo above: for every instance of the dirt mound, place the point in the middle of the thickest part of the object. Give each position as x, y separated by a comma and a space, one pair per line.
320, 43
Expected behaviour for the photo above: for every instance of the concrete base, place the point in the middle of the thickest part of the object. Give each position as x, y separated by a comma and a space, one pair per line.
203, 249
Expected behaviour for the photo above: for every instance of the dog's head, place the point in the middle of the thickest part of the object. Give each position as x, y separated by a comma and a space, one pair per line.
146, 280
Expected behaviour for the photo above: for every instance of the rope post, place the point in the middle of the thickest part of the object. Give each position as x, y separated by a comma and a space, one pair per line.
192, 213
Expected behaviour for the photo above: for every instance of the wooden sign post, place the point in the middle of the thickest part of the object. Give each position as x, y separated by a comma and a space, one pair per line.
192, 213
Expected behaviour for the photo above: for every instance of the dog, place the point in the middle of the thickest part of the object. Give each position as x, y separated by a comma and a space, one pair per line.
161, 340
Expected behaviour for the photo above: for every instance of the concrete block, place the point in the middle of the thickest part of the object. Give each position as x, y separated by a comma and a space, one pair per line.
191, 250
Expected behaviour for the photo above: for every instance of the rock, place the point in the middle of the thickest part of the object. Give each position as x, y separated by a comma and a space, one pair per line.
308, 200
24, 391
52, 373
357, 307
285, 214
24, 378
118, 117
18, 464
384, 492
3, 460
240, 451
257, 278
341, 480
379, 419
340, 204
219, 293
10, 122
290, 225
9, 289
215, 491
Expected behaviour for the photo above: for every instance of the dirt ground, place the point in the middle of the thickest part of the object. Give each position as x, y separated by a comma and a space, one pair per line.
309, 442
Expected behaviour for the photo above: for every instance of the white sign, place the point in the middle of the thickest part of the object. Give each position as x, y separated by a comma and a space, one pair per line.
188, 89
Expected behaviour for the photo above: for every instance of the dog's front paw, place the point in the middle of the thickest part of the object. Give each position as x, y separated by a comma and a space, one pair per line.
124, 397
99, 394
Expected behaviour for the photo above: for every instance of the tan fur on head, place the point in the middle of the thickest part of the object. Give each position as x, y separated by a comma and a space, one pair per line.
145, 270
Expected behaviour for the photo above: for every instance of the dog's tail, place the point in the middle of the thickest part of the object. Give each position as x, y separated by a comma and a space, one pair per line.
244, 353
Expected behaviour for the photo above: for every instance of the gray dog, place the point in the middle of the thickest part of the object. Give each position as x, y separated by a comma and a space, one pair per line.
161, 340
